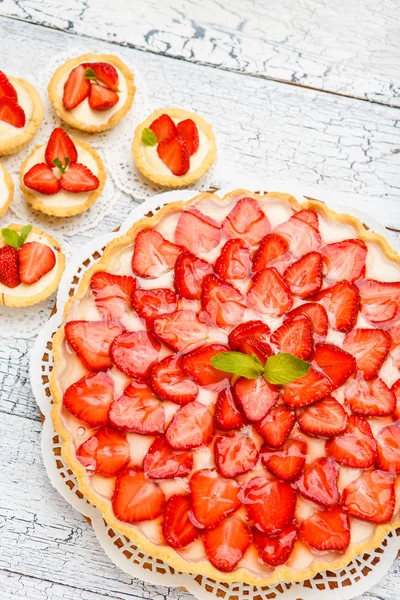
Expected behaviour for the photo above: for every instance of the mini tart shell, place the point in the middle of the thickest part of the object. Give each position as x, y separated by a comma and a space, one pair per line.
16, 143
166, 553
66, 116
66, 211
10, 186
174, 181
19, 301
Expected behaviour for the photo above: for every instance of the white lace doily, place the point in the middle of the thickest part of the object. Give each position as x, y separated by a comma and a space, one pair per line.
359, 576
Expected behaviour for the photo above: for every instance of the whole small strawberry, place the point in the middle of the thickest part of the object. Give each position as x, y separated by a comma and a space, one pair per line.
9, 274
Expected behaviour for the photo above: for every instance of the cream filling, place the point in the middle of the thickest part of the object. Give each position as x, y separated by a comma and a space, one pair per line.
4, 191
8, 131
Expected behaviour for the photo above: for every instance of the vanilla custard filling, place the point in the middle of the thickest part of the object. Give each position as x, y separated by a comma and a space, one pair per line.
8, 131
4, 191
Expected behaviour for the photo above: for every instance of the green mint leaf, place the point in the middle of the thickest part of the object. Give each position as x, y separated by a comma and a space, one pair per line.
149, 137
90, 74
257, 360
284, 367
11, 237
238, 363
57, 162
25, 231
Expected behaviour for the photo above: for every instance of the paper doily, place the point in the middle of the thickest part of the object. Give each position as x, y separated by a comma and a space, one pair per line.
359, 576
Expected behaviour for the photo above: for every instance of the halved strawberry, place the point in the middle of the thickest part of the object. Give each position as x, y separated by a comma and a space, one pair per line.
317, 315
356, 447
42, 179
388, 440
107, 452
269, 294
102, 98
197, 364
138, 410
234, 261
335, 363
270, 503
188, 131
112, 293
178, 529
370, 398
371, 497
307, 389
91, 340
255, 397
222, 303
136, 498
212, 497
227, 417
11, 112
6, 87
60, 146
250, 329
319, 482
342, 303
295, 336
78, 178
189, 274
301, 232
197, 232
288, 462
164, 128
135, 353
304, 277
396, 391
327, 530
191, 427
76, 88
272, 252
380, 301
369, 347
276, 426
395, 346
246, 221
90, 398
325, 418
181, 330
161, 462
257, 347
174, 153
344, 260
105, 72
234, 454
9, 272
170, 382
153, 255
153, 303
227, 543
275, 550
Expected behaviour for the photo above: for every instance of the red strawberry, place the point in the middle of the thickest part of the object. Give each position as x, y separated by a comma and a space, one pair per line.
301, 232
198, 365
138, 410
60, 146
255, 346
164, 128
369, 347
317, 315
288, 462
380, 301
90, 398
269, 294
106, 73
227, 543
150, 304
234, 261
188, 131
273, 252
9, 272
395, 347
42, 179
136, 498
325, 418
388, 440
327, 530
174, 153
251, 329
319, 482
91, 340
370, 398
35, 260
371, 497
161, 462
307, 389
335, 363
270, 503
189, 274
344, 260
276, 426
226, 416
275, 550
107, 452
78, 178
213, 498
181, 330
153, 255
356, 447
112, 293
197, 232
308, 216
76, 88
295, 337
234, 454
304, 277
396, 391
246, 221
342, 303
191, 427
222, 303
11, 112
170, 382
178, 529
102, 98
135, 353
255, 397
6, 87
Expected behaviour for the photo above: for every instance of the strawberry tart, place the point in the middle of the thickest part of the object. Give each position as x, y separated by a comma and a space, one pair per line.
227, 387
6, 189
92, 92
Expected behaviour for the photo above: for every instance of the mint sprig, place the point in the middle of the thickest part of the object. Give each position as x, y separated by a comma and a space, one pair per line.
15, 239
149, 138
61, 167
90, 74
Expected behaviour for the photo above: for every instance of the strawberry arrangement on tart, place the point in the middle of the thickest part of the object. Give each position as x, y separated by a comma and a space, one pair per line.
6, 189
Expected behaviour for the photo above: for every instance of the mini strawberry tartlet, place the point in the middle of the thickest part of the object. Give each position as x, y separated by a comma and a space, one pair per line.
64, 177
21, 112
31, 265
92, 92
174, 147
6, 189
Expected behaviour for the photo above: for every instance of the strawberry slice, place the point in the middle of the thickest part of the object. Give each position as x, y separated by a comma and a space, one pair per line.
227, 543
112, 293
304, 277
344, 260
371, 497
254, 329
327, 530
272, 252
234, 261
255, 346
90, 398
153, 255
107, 452
91, 340
317, 315
269, 293
395, 346
181, 330
150, 304
188, 131
275, 550
388, 440
222, 303
276, 426
335, 363
234, 454
191, 427
9, 272
247, 222
301, 232
60, 147
102, 98
135, 353
212, 497
319, 482
325, 418
161, 462
288, 462
136, 498
370, 398
6, 87
11, 112
178, 529
197, 232
307, 389
42, 179
138, 410
198, 365
380, 301
255, 397
295, 336
105, 72
78, 179
189, 274
356, 447
396, 391
170, 382
164, 128
76, 88
227, 417
369, 347
270, 503
174, 153
342, 303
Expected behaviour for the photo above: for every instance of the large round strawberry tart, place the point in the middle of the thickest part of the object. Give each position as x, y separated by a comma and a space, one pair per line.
227, 385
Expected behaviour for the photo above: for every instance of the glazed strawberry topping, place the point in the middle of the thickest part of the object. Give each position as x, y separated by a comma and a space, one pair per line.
269, 294
90, 398
371, 497
275, 550
153, 255
138, 410
135, 353
112, 293
269, 503
327, 530
222, 303
344, 260
234, 454
276, 426
319, 482
136, 498
95, 453
288, 462
226, 544
295, 336
369, 347
150, 304
304, 277
234, 261
213, 497
169, 382
191, 427
178, 529
162, 462
197, 232
227, 417
247, 222
325, 418
189, 275
356, 447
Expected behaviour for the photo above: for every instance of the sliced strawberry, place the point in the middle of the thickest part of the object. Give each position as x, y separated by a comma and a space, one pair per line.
335, 363
102, 98
161, 462
76, 88
276, 426
227, 543
197, 232
325, 418
234, 261
174, 153
327, 530
136, 498
189, 274
138, 410
356, 447
153, 255
251, 329
181, 330
269, 294
255, 346
396, 391
135, 353
178, 529
288, 462
107, 452
371, 497
270, 503
222, 303
273, 252
112, 293
42, 179
78, 178
275, 550
304, 277
307, 389
395, 347
153, 303
9, 263
370, 398
11, 112
213, 498
60, 146
191, 427
90, 398
344, 260
255, 397
380, 301
246, 221
319, 482
317, 315
295, 336
91, 340
164, 128
342, 303
188, 131
369, 347
170, 382
105, 72
227, 417
197, 364
308, 216
388, 440
301, 232
234, 454
6, 87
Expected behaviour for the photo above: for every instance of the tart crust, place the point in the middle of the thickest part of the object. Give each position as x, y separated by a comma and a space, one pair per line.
15, 301
10, 187
17, 142
66, 211
166, 553
173, 181
66, 116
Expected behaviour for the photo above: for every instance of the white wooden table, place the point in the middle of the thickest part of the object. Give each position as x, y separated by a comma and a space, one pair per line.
309, 88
